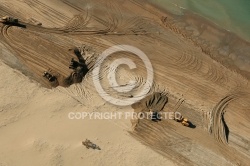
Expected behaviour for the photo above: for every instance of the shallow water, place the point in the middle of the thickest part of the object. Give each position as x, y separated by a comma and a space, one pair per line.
230, 14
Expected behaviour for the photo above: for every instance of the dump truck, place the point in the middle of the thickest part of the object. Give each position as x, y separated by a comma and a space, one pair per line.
8, 20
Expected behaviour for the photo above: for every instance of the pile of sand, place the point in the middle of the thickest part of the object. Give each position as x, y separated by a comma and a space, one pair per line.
35, 129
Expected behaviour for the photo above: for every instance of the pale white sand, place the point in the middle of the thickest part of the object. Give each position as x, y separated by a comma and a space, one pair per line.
35, 129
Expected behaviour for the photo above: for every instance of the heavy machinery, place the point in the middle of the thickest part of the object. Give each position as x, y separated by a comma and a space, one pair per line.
49, 76
88, 144
8, 20
182, 120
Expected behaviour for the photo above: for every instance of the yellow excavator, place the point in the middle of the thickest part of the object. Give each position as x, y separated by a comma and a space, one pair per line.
182, 120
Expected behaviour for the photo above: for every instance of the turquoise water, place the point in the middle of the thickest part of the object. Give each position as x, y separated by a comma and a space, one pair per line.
233, 15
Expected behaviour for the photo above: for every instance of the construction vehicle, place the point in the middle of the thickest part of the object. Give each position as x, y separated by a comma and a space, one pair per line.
88, 144
9, 20
182, 120
49, 76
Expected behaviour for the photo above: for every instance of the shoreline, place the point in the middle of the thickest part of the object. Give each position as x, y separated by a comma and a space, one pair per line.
181, 10
220, 44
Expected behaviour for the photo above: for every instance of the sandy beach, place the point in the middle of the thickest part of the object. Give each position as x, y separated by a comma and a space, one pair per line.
198, 70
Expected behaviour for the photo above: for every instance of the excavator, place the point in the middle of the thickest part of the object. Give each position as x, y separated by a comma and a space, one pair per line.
182, 120
9, 20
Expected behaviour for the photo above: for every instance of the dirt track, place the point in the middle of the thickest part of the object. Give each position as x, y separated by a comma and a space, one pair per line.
184, 70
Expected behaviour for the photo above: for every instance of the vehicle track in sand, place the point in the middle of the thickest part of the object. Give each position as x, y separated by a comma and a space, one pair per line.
218, 127
189, 78
189, 62
4, 11
47, 11
32, 50
78, 22
197, 66
62, 30
181, 144
162, 138
114, 16
115, 24
101, 21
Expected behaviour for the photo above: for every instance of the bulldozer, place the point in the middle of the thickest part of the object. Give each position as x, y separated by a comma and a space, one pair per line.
9, 20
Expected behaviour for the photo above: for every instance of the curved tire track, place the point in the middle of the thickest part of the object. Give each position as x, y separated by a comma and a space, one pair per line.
218, 127
189, 62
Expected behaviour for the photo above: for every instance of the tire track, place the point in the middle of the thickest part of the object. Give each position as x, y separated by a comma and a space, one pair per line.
29, 53
189, 62
101, 21
62, 30
216, 76
114, 20
78, 22
218, 127
46, 11
115, 24
165, 141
